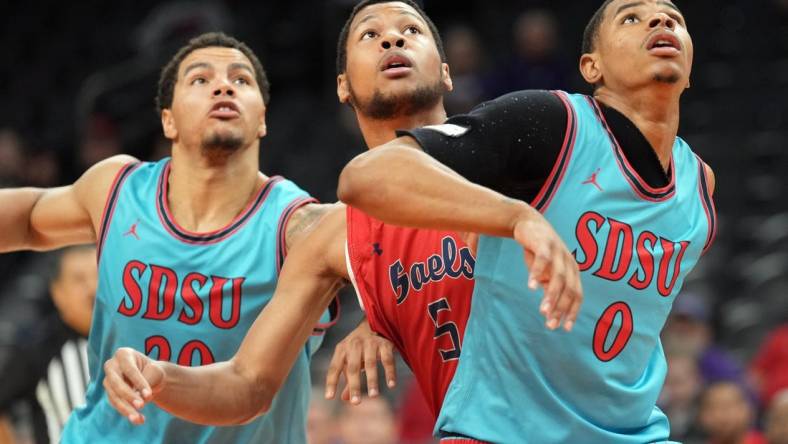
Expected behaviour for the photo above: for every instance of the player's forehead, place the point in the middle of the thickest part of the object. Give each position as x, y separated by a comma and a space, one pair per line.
381, 11
617, 7
214, 57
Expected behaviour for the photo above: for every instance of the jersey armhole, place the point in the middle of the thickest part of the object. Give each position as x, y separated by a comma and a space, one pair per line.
110, 204
334, 308
553, 180
708, 203
281, 228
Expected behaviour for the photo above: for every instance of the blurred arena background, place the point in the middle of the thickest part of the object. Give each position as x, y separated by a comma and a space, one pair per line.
78, 81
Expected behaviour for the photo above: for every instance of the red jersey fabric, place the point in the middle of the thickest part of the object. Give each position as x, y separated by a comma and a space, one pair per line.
415, 287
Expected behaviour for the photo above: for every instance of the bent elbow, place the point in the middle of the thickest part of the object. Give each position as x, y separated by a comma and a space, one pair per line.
258, 404
260, 407
352, 181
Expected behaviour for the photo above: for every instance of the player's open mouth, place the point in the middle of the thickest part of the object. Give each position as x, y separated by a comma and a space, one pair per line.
664, 44
396, 65
224, 110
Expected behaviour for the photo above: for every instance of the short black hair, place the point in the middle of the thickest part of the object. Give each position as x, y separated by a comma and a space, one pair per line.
169, 74
343, 35
592, 29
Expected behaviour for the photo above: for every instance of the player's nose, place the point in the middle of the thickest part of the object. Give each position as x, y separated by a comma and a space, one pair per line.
660, 19
224, 87
392, 38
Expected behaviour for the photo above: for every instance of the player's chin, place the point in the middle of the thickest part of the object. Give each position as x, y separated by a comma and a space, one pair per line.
667, 72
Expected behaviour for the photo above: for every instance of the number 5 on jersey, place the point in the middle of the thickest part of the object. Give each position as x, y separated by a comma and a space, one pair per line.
447, 328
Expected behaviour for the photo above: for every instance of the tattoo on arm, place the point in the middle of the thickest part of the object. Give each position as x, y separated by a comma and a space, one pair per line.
303, 221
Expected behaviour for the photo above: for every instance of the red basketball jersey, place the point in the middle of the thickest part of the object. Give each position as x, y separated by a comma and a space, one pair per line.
415, 287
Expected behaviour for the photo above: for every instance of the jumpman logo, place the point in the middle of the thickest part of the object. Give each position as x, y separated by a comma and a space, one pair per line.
376, 249
592, 180
133, 230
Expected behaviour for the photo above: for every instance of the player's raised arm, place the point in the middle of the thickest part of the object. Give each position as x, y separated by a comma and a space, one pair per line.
236, 391
400, 184
44, 219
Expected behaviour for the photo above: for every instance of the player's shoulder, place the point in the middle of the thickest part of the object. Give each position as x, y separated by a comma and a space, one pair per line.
708, 173
711, 180
94, 185
526, 98
109, 167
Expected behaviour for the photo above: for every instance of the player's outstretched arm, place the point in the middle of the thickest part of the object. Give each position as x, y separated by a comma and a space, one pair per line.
238, 390
400, 184
44, 219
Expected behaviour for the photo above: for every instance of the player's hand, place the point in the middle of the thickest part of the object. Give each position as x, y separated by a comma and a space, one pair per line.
552, 266
359, 352
131, 380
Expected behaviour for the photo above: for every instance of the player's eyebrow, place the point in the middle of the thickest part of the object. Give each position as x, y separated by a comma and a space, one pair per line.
372, 16
243, 66
196, 65
635, 4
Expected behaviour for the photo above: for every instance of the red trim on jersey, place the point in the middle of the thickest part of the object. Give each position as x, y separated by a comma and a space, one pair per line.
109, 204
542, 200
641, 188
708, 203
459, 440
335, 312
190, 237
281, 231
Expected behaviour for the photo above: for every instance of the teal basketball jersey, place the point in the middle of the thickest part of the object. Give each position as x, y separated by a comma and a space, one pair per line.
517, 381
187, 298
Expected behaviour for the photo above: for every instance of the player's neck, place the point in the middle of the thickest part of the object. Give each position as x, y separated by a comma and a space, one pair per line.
377, 132
654, 111
206, 193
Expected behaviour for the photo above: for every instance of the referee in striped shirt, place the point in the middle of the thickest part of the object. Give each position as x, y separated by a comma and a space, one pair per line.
73, 291
61, 383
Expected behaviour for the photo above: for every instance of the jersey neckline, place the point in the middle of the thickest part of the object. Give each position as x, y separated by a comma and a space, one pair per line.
641, 188
193, 237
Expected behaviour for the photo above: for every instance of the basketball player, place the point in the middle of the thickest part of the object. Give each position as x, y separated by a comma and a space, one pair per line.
188, 248
390, 71
629, 197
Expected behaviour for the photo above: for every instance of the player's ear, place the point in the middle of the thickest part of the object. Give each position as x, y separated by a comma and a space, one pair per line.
168, 124
590, 68
446, 77
343, 88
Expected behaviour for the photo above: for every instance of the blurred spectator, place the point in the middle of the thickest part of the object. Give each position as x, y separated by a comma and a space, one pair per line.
42, 169
680, 394
11, 158
371, 422
50, 381
415, 421
464, 56
536, 62
769, 369
726, 415
100, 140
777, 419
688, 331
321, 425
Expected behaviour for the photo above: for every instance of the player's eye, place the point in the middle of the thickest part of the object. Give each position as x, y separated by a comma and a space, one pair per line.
412, 29
241, 81
630, 19
198, 81
679, 19
368, 35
